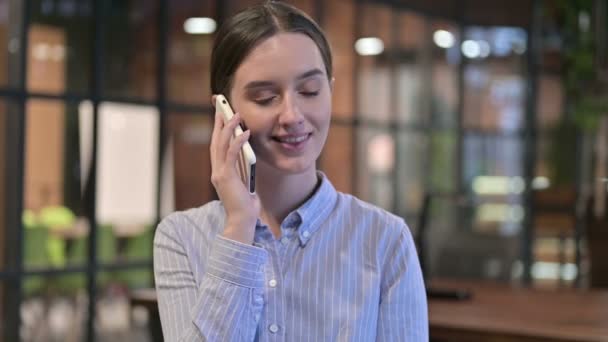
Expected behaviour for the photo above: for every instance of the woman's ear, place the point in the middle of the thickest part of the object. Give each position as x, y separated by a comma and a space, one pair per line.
331, 84
213, 97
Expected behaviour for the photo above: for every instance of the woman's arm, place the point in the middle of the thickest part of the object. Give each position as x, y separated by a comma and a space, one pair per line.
403, 314
227, 304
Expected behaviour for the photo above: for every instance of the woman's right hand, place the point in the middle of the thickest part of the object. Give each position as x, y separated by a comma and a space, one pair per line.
242, 208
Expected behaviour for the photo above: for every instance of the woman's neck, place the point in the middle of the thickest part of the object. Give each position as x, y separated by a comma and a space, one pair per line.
281, 193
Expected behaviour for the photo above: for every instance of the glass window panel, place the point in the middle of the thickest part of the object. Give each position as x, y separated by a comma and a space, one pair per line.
494, 97
118, 315
127, 171
494, 94
189, 55
374, 94
492, 155
376, 22
412, 69
443, 213
131, 48
10, 53
188, 162
375, 166
443, 161
55, 230
338, 23
337, 157
493, 169
54, 306
411, 101
414, 29
550, 101
412, 154
445, 66
557, 157
473, 254
445, 94
481, 240
59, 46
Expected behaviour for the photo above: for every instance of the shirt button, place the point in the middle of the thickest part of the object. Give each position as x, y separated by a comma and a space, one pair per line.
273, 328
284, 240
272, 283
306, 234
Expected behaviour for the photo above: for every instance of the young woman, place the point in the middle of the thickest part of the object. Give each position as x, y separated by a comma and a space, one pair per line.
297, 260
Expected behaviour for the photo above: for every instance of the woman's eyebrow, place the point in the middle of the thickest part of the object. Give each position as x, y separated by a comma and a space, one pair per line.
309, 73
259, 84
265, 84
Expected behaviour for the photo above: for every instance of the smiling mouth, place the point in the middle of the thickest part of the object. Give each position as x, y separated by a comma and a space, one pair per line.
293, 139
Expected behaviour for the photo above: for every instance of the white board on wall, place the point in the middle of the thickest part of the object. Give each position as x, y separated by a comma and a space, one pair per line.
127, 161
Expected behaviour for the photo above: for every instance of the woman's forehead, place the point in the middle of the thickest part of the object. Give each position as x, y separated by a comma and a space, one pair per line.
284, 56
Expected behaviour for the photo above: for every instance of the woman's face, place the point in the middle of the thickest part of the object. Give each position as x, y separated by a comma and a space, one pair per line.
283, 95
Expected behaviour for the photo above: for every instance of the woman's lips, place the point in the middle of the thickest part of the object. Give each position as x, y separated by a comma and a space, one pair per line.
293, 142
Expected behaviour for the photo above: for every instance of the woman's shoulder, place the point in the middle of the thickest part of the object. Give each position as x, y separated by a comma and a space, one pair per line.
363, 211
205, 219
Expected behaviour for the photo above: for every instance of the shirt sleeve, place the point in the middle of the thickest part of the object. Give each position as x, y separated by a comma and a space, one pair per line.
225, 306
403, 314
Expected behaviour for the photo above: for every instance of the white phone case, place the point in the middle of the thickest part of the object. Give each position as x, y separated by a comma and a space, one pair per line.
246, 159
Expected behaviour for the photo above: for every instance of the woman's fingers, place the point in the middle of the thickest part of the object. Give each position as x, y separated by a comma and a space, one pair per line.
235, 147
217, 128
225, 136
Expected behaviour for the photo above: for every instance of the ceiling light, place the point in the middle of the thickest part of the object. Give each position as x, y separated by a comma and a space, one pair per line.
470, 49
443, 39
369, 46
202, 25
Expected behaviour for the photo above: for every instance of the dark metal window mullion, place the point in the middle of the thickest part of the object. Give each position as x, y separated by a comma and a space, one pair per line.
393, 65
355, 96
161, 94
97, 81
533, 61
16, 132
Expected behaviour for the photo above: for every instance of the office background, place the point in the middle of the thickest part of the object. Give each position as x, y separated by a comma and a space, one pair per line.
454, 108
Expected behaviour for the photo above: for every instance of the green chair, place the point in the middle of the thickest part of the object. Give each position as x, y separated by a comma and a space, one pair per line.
106, 253
29, 218
138, 248
70, 284
57, 217
35, 256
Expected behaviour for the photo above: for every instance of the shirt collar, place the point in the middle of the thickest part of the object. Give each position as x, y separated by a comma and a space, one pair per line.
316, 209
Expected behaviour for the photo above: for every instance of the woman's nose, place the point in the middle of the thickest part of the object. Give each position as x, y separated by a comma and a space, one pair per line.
290, 113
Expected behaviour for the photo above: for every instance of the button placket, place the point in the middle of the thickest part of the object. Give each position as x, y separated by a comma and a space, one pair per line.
274, 319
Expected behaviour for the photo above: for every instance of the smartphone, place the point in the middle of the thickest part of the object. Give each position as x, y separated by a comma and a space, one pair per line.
246, 160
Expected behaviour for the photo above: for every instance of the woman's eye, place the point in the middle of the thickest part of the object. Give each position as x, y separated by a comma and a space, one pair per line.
264, 101
309, 93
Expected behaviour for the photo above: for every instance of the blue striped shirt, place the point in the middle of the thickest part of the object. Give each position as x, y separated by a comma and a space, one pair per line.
342, 270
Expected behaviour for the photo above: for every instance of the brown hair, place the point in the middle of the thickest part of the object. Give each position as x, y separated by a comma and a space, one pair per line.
244, 31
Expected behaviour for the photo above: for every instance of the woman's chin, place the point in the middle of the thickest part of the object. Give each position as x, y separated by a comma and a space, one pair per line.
292, 166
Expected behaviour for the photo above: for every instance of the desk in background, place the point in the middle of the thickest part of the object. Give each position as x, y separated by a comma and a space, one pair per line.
503, 313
